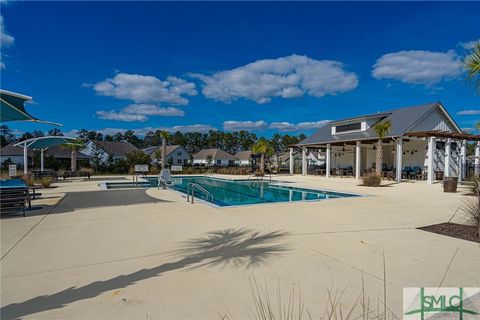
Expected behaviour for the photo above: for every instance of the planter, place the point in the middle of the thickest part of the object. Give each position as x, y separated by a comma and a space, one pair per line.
450, 184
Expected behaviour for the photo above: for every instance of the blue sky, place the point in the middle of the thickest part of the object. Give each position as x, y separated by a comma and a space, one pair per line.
263, 67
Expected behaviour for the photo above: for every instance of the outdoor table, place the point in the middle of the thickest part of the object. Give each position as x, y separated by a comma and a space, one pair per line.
15, 184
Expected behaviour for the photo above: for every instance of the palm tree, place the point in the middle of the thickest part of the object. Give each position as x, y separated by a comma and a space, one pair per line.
74, 147
382, 129
472, 65
262, 147
165, 135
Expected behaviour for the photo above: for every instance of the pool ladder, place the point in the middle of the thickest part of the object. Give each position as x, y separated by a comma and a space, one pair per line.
191, 188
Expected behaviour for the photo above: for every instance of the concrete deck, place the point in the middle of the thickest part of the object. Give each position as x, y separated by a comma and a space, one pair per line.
91, 254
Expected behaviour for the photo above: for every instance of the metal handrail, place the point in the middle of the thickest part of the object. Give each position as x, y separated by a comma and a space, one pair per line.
191, 187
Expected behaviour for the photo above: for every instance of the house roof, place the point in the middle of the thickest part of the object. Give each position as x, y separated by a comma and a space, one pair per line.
114, 148
243, 155
11, 150
402, 120
150, 150
62, 153
217, 154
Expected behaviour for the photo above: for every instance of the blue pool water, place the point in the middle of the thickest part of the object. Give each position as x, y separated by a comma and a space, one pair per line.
244, 192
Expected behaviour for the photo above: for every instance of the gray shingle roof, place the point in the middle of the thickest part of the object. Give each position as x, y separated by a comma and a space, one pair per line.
243, 155
62, 153
114, 148
151, 150
401, 119
215, 153
10, 150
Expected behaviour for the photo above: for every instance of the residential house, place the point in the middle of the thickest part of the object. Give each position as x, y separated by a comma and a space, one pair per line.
109, 150
14, 155
176, 154
244, 158
214, 157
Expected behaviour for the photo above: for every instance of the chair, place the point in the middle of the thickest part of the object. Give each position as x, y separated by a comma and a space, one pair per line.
406, 172
164, 178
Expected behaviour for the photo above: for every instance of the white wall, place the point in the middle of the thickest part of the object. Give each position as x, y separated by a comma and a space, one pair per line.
89, 151
178, 154
223, 162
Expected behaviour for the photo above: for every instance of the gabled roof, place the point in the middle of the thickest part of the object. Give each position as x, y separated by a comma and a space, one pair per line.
150, 150
11, 150
114, 148
217, 154
402, 120
243, 155
63, 153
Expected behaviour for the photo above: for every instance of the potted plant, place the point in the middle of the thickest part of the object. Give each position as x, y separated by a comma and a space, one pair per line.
450, 184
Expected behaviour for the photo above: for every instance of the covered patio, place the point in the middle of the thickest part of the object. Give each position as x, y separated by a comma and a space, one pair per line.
42, 144
425, 155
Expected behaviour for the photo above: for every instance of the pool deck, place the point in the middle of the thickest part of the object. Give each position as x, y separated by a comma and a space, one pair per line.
161, 258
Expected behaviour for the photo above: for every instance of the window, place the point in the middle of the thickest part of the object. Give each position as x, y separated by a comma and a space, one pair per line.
179, 153
179, 161
219, 161
348, 127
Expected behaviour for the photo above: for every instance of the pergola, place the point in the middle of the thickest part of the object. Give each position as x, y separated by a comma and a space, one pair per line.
430, 136
42, 144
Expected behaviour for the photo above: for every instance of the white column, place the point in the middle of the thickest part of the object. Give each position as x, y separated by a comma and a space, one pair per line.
477, 159
448, 154
358, 151
42, 151
463, 160
327, 161
25, 159
431, 145
304, 161
399, 158
292, 162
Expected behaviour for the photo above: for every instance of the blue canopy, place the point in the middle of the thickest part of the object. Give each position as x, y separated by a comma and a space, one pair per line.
45, 142
13, 109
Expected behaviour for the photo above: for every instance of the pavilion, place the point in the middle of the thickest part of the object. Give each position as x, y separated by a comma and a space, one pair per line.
423, 136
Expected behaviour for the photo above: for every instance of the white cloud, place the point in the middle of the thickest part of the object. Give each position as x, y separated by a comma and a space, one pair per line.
286, 77
283, 126
244, 125
144, 89
468, 112
120, 116
418, 67
279, 126
6, 40
469, 45
143, 131
138, 112
312, 125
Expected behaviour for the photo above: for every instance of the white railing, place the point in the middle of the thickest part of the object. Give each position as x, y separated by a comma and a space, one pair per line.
191, 188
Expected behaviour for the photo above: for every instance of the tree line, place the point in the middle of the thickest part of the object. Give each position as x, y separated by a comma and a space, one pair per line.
193, 142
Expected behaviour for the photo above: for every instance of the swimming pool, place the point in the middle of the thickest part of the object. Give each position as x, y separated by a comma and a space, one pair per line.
246, 192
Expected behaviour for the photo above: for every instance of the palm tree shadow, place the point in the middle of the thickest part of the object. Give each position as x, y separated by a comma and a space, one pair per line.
230, 247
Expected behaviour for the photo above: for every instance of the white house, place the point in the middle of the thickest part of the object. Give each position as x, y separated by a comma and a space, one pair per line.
176, 154
109, 149
243, 158
213, 157
423, 139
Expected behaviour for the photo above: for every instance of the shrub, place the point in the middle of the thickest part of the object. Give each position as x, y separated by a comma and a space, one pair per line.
46, 182
28, 180
372, 180
471, 207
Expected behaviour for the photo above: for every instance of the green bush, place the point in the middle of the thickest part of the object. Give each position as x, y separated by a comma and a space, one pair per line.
372, 180
46, 182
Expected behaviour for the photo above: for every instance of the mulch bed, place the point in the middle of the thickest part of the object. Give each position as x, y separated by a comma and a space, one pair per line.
454, 230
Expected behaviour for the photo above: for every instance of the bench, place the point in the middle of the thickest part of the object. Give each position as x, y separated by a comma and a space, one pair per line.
12, 199
71, 174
